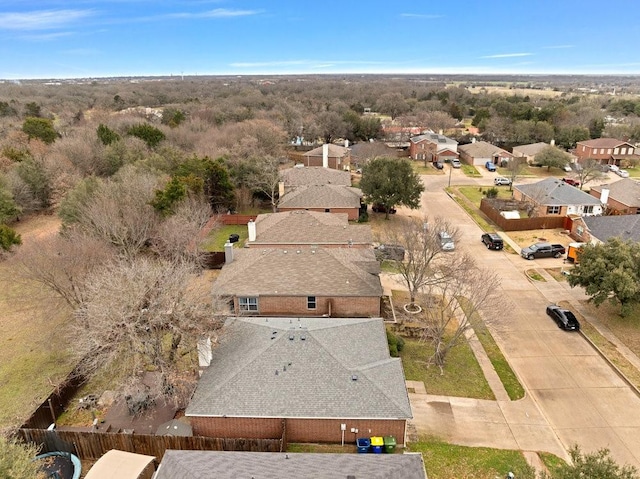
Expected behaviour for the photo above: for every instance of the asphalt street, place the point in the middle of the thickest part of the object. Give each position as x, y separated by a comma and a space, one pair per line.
573, 395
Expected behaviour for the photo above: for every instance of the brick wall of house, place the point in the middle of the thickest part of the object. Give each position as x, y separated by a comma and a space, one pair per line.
260, 428
579, 231
352, 213
328, 430
341, 307
298, 430
615, 205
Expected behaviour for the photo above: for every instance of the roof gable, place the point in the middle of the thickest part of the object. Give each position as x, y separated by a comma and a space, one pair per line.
531, 149
272, 465
315, 175
626, 191
304, 368
322, 196
309, 227
335, 151
554, 192
604, 143
626, 227
300, 272
482, 149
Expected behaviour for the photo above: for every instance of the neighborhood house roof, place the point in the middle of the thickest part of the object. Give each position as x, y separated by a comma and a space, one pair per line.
315, 175
482, 149
303, 227
552, 191
275, 465
322, 196
335, 151
301, 272
626, 227
441, 141
604, 143
302, 368
626, 191
531, 149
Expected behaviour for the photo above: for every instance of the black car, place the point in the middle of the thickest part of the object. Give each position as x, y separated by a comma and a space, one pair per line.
492, 241
378, 208
564, 318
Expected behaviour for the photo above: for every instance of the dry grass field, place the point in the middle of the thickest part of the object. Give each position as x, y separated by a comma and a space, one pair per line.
503, 90
33, 346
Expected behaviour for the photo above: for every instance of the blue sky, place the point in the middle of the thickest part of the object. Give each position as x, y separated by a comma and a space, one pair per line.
92, 38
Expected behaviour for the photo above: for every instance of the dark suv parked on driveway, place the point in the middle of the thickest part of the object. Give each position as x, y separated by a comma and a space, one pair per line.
492, 241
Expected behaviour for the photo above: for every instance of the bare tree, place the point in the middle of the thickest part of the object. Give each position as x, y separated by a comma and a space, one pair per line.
425, 264
589, 170
145, 315
63, 263
120, 213
176, 236
514, 167
266, 178
452, 303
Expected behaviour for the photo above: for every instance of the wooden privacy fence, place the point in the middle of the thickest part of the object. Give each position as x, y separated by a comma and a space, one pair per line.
236, 219
522, 224
92, 445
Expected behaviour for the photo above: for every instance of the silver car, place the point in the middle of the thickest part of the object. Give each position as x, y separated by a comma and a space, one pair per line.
446, 241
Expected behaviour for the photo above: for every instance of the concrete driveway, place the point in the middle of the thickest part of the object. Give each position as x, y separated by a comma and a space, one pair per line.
570, 388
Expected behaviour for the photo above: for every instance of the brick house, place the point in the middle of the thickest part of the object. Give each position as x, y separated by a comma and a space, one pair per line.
303, 228
529, 151
338, 282
235, 464
328, 156
323, 198
620, 197
479, 152
598, 229
552, 197
313, 176
433, 147
606, 151
303, 377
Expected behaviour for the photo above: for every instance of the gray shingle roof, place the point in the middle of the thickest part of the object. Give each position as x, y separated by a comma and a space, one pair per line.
335, 151
315, 175
300, 272
303, 227
626, 227
482, 149
552, 191
315, 371
274, 465
626, 191
322, 196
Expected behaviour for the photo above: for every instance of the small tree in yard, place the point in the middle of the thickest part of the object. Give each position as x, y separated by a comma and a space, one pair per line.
588, 171
265, 179
453, 302
514, 169
8, 238
391, 182
610, 271
425, 263
551, 156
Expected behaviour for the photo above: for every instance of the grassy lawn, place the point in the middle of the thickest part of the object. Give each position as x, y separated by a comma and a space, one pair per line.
534, 275
419, 168
472, 210
448, 461
475, 193
218, 237
462, 376
34, 355
552, 462
499, 362
470, 170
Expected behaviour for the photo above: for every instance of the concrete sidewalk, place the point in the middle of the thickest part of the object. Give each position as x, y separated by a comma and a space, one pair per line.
501, 424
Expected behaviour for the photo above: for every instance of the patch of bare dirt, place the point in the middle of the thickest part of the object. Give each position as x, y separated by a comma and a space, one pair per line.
527, 238
37, 227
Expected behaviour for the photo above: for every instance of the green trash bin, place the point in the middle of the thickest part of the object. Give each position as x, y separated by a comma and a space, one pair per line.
389, 444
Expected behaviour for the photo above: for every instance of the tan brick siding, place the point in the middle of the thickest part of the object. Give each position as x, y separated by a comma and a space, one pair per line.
341, 307
260, 428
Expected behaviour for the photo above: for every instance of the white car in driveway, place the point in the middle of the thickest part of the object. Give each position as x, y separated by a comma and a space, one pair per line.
622, 173
501, 180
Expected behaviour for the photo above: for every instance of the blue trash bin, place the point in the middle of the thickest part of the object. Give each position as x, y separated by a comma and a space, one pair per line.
364, 444
377, 443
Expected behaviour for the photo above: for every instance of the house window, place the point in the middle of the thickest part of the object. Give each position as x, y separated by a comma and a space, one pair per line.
616, 151
609, 151
311, 302
587, 209
248, 303
553, 210
579, 230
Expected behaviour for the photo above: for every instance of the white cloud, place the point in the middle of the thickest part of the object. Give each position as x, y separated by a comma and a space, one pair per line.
508, 55
216, 13
41, 19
